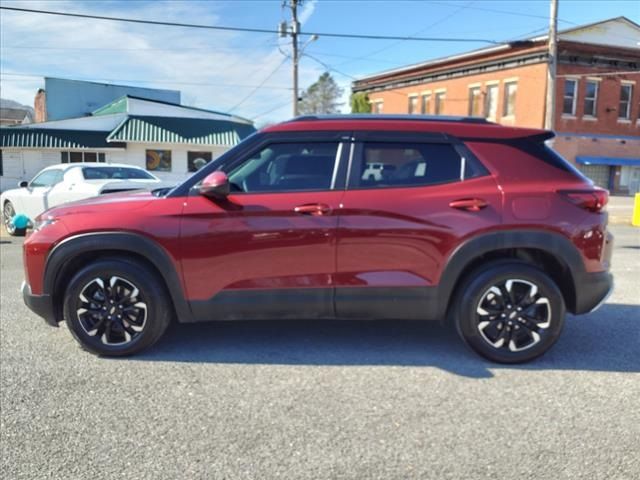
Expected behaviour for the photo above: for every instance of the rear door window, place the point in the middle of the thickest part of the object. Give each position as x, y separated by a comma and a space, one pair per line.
384, 165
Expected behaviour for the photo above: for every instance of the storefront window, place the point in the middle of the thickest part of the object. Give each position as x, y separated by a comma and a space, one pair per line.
81, 157
159, 160
197, 160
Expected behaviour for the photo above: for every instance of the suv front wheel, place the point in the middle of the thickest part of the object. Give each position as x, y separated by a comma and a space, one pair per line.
116, 307
509, 312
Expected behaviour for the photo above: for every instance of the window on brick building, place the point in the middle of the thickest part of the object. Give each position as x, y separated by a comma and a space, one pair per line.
413, 104
491, 102
624, 107
509, 102
475, 102
439, 103
377, 106
569, 102
591, 99
425, 104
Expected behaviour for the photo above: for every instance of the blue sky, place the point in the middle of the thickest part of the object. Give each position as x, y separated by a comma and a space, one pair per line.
220, 70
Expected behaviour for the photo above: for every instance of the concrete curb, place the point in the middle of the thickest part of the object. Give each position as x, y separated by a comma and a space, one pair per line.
620, 221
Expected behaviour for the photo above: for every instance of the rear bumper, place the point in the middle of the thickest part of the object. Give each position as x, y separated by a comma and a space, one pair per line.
41, 305
592, 290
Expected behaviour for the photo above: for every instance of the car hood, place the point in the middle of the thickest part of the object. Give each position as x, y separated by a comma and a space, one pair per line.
111, 202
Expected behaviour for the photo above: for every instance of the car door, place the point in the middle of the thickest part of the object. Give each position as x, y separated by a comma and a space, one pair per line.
268, 250
73, 187
34, 199
409, 202
65, 190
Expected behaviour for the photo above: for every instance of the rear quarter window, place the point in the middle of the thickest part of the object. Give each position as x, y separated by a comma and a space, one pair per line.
543, 152
522, 161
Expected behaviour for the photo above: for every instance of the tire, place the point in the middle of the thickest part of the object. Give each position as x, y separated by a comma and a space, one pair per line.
487, 318
107, 316
8, 212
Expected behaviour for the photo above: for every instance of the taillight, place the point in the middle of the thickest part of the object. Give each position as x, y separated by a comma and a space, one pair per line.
592, 200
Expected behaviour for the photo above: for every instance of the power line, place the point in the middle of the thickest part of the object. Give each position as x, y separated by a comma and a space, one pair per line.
282, 105
138, 20
529, 15
329, 67
251, 30
526, 36
116, 49
257, 87
505, 12
351, 57
171, 82
436, 23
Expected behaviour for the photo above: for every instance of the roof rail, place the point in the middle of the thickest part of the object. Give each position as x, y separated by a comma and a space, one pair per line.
382, 116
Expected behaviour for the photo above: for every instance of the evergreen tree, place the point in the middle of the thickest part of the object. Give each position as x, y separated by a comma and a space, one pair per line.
360, 103
321, 97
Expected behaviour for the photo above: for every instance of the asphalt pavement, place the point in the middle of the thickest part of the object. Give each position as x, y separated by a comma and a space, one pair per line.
340, 400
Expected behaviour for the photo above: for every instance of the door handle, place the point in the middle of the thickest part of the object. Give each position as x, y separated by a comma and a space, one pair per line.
469, 204
315, 209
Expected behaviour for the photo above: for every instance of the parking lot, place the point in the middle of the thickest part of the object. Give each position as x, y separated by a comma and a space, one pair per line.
322, 400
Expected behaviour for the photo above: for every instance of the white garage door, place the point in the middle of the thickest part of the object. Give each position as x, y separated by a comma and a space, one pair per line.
12, 170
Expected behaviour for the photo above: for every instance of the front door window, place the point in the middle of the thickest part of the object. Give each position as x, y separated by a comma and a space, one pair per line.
287, 167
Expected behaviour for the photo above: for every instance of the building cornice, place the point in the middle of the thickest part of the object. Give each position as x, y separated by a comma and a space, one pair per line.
475, 68
570, 53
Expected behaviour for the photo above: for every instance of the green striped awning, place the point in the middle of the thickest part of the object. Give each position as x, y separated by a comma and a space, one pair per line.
194, 131
13, 137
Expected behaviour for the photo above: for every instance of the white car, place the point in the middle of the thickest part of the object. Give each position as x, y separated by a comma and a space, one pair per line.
69, 182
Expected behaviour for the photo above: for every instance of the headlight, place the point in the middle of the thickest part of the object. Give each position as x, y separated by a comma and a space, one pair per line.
41, 223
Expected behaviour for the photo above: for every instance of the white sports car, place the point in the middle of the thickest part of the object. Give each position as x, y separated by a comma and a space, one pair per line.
66, 183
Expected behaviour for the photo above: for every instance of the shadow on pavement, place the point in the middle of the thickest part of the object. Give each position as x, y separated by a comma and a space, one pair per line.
607, 340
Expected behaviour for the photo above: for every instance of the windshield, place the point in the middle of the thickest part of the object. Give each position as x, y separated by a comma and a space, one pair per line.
115, 173
47, 178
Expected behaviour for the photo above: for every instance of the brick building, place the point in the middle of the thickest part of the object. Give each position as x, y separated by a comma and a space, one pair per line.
597, 99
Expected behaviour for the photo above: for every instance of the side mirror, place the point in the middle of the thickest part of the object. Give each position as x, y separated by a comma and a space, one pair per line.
215, 185
23, 184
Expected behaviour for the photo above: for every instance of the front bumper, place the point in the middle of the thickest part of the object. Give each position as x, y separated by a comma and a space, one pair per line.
592, 290
41, 305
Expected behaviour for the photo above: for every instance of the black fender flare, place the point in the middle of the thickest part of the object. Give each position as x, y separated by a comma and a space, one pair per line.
125, 242
552, 243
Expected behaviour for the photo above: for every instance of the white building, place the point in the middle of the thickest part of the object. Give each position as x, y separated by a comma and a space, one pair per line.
167, 139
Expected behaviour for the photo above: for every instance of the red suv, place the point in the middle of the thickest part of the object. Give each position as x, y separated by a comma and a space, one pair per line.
351, 217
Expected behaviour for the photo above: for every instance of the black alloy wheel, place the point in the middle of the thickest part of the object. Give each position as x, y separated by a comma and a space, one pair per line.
509, 312
117, 307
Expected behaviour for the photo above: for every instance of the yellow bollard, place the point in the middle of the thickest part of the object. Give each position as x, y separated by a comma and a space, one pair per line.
635, 219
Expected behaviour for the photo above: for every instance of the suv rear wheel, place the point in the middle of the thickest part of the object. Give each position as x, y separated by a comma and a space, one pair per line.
509, 312
116, 307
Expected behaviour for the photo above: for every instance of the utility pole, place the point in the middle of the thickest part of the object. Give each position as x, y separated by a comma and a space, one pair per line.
285, 30
295, 29
550, 110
